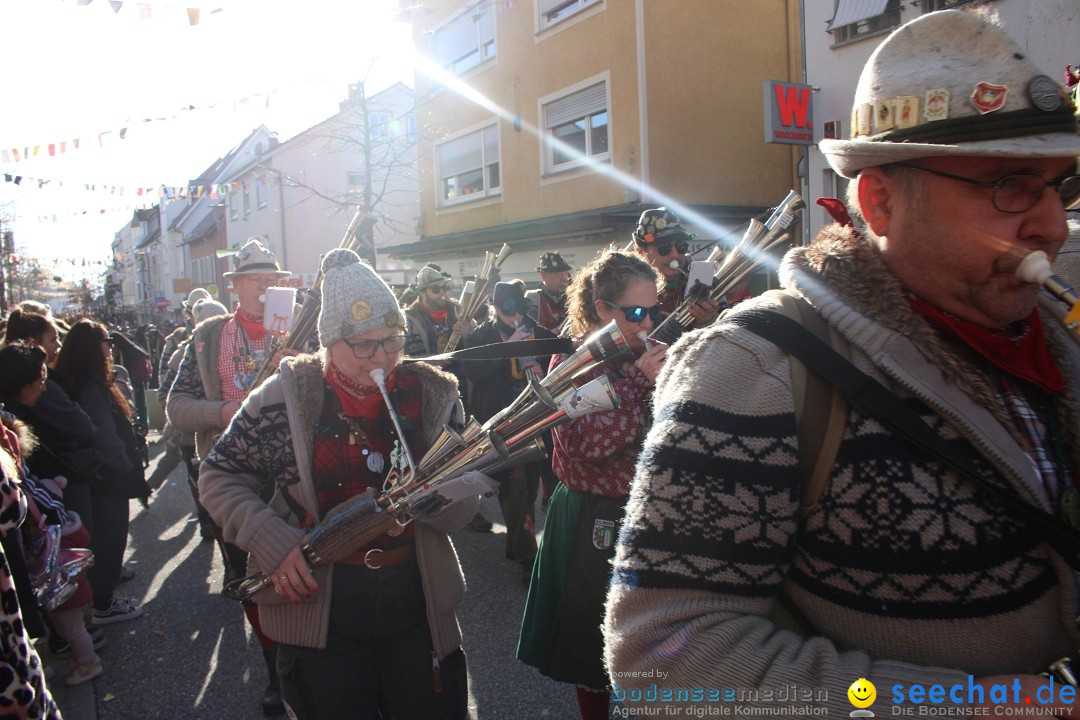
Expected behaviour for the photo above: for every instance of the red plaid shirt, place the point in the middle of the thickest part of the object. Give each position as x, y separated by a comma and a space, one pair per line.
342, 470
239, 360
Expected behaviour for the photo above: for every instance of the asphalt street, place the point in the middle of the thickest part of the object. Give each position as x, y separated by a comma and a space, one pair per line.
191, 655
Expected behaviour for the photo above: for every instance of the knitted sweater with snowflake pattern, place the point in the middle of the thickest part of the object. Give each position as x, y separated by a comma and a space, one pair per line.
903, 572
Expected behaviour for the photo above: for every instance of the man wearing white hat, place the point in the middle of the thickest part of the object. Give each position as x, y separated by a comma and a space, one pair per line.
928, 579
217, 371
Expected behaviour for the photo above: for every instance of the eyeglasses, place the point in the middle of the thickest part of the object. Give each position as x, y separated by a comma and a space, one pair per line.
1017, 193
637, 313
440, 289
663, 247
366, 348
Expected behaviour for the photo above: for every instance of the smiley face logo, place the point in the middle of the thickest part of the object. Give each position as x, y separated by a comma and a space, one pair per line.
862, 693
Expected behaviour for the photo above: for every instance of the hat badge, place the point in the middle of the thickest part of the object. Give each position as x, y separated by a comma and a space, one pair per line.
988, 97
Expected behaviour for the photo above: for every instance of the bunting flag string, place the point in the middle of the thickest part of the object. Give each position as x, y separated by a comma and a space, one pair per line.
10, 155
139, 197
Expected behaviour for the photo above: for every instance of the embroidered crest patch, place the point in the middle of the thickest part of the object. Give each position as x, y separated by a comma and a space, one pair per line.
603, 534
360, 310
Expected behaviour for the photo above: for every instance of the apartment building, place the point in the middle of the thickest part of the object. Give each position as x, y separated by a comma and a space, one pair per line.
842, 34
551, 124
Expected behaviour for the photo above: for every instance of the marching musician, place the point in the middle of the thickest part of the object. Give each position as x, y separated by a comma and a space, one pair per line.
661, 239
218, 369
495, 384
549, 301
375, 634
900, 570
594, 459
433, 316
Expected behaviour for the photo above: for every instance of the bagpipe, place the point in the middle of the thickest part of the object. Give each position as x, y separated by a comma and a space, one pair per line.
735, 265
456, 464
475, 291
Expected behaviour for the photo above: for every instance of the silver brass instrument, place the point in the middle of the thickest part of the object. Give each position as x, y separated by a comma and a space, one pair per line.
1035, 268
510, 438
738, 263
470, 303
304, 324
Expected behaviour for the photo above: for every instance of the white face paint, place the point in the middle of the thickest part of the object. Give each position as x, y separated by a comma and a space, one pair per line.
674, 264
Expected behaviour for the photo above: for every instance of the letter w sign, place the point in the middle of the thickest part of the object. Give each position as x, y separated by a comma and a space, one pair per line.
789, 113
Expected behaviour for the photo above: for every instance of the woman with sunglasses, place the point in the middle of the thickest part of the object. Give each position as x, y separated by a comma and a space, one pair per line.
375, 634
594, 459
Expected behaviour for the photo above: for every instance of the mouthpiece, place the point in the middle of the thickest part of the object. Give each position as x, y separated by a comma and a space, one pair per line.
674, 265
1035, 268
644, 337
379, 376
262, 298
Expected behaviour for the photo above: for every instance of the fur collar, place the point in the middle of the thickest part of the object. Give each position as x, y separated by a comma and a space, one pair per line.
853, 270
309, 373
27, 441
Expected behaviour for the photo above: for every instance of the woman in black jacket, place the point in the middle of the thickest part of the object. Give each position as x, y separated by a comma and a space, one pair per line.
84, 364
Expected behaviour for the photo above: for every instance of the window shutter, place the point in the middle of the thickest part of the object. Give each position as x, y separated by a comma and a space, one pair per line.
460, 155
852, 11
589, 101
486, 26
454, 41
491, 144
551, 5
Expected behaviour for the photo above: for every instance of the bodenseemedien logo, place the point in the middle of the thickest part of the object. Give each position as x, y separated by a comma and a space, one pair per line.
862, 694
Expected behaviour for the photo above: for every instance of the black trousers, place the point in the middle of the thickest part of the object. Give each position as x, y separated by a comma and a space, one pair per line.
378, 660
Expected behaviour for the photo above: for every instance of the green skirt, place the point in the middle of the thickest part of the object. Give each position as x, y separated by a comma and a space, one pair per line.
560, 632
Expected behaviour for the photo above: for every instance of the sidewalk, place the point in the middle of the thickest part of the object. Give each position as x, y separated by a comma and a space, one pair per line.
77, 702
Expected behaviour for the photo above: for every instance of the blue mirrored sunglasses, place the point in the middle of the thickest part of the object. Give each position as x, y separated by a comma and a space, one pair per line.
637, 313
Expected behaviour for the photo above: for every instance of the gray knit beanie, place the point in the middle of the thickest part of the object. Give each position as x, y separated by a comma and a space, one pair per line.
354, 299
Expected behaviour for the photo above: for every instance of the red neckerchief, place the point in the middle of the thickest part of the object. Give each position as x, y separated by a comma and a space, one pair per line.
359, 401
1021, 351
252, 326
438, 317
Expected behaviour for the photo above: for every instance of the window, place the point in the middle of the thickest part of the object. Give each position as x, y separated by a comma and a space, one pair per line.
553, 11
247, 200
467, 167
379, 124
932, 5
466, 41
260, 194
576, 128
410, 126
354, 183
234, 210
857, 18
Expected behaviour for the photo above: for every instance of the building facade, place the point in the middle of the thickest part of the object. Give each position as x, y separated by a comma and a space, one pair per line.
551, 124
302, 194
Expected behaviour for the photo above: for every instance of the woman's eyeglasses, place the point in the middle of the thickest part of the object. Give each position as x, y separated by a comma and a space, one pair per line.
637, 313
366, 348
663, 247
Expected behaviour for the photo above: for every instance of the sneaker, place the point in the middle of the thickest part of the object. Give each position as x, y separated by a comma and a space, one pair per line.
126, 573
60, 646
479, 523
119, 610
78, 674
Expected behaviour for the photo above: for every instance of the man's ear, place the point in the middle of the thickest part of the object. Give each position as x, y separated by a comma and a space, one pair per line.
876, 190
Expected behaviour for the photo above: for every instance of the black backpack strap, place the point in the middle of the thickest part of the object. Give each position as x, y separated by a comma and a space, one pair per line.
504, 351
872, 399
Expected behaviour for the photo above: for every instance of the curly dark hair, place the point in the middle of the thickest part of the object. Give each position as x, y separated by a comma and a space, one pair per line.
21, 365
81, 362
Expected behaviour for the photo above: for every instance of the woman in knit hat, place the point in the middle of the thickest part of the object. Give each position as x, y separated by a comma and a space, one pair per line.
374, 635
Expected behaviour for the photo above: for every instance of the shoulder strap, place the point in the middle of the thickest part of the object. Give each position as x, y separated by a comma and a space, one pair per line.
820, 411
872, 399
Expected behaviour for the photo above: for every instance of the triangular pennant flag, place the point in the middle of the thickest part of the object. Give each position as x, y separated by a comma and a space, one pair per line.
52, 149
116, 5
15, 152
193, 16
63, 146
123, 133
75, 143
5, 156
